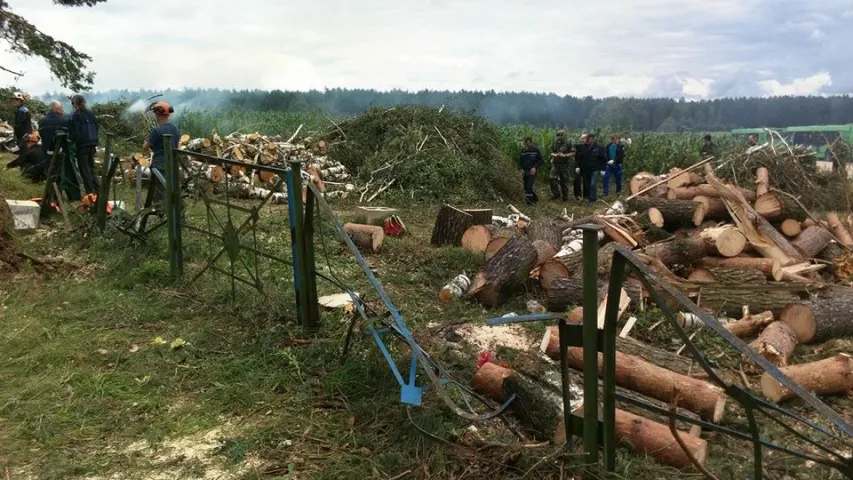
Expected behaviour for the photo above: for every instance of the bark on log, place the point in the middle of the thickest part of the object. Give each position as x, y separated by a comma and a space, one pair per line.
775, 206
655, 439
709, 208
565, 292
725, 241
480, 216
839, 230
776, 343
546, 230
495, 245
366, 237
821, 320
504, 272
779, 240
749, 325
544, 251
550, 271
791, 228
811, 241
771, 268
689, 193
733, 276
678, 252
729, 299
574, 261
675, 212
450, 225
762, 181
830, 376
643, 179
476, 239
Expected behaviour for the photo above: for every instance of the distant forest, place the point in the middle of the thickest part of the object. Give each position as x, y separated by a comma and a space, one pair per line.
645, 114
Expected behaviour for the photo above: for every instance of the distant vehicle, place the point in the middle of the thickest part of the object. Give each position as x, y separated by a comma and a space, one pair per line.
819, 137
743, 133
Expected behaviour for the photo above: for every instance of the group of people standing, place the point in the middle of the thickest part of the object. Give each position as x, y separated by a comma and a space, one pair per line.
36, 148
589, 160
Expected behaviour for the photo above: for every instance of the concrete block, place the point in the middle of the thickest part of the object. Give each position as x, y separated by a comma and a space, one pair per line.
373, 214
26, 214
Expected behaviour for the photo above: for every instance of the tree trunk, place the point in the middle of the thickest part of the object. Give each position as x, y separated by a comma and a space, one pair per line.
771, 268
709, 208
762, 181
499, 238
776, 343
729, 299
734, 276
689, 193
546, 230
504, 272
724, 241
830, 376
675, 212
544, 251
480, 216
775, 206
565, 292
476, 239
368, 238
574, 261
450, 226
791, 228
812, 241
749, 325
839, 230
678, 252
821, 320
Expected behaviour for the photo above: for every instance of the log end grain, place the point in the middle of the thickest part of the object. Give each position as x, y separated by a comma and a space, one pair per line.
701, 275
494, 246
489, 380
544, 251
551, 270
656, 217
476, 239
802, 320
825, 377
791, 228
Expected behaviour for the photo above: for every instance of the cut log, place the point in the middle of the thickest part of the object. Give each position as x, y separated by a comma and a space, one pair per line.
643, 180
655, 217
701, 275
544, 251
476, 239
783, 247
734, 276
551, 270
546, 230
616, 233
648, 437
831, 376
750, 325
728, 299
682, 180
368, 238
791, 228
725, 241
678, 252
775, 206
494, 246
762, 181
709, 208
776, 343
808, 223
821, 320
574, 261
675, 212
706, 190
565, 292
811, 241
839, 230
504, 272
480, 216
454, 289
450, 226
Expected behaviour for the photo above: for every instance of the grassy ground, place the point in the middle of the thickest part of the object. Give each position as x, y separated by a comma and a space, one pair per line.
108, 371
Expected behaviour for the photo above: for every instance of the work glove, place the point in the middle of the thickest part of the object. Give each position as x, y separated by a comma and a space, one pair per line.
610, 162
577, 170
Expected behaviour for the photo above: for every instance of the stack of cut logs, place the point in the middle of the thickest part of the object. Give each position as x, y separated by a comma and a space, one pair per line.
256, 149
753, 256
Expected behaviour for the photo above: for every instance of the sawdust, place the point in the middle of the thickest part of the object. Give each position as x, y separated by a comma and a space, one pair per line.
487, 338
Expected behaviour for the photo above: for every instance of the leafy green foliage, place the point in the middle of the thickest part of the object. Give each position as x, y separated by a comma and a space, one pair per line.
7, 113
64, 61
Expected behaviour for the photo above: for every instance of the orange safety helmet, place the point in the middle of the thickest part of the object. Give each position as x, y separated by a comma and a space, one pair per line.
161, 108
32, 138
89, 201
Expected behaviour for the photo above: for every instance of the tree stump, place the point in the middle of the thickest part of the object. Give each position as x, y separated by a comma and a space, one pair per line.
480, 216
450, 226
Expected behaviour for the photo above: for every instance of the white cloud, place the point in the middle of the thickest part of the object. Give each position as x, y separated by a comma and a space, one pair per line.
443, 44
812, 85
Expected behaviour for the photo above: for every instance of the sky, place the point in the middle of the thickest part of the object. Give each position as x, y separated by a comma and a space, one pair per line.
641, 48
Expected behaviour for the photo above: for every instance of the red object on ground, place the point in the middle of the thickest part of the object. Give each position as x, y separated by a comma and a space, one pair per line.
393, 226
484, 358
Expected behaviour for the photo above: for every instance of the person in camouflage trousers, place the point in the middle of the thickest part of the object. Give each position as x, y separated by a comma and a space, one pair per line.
562, 152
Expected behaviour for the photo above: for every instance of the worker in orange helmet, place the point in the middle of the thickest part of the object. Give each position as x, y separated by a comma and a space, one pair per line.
154, 143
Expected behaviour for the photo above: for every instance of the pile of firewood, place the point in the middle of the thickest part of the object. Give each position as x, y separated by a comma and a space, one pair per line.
751, 255
256, 149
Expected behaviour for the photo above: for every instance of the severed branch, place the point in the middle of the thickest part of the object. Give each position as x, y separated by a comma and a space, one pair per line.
809, 214
17, 74
381, 190
292, 137
673, 407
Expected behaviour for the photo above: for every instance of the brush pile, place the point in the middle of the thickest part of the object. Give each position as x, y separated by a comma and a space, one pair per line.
751, 254
7, 138
423, 153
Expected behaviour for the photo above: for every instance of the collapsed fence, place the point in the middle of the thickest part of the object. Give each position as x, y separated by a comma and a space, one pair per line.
230, 229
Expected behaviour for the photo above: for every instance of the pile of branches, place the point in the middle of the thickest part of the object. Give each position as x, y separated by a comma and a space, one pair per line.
425, 154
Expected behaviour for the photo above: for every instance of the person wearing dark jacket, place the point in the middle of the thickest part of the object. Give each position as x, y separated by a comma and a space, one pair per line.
615, 158
54, 121
709, 149
529, 161
154, 143
83, 131
23, 123
592, 162
578, 175
562, 153
29, 157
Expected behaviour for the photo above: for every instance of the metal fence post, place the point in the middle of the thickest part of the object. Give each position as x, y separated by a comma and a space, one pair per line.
312, 307
104, 191
173, 209
297, 233
590, 341
611, 313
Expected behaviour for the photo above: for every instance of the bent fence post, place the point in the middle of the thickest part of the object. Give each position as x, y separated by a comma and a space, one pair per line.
173, 209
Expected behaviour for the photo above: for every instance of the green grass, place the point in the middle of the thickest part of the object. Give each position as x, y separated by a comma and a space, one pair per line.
92, 387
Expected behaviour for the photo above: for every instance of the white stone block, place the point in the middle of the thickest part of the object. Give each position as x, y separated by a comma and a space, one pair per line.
374, 213
26, 214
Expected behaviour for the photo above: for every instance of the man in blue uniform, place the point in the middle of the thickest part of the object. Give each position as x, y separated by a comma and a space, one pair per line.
615, 159
529, 161
22, 124
83, 131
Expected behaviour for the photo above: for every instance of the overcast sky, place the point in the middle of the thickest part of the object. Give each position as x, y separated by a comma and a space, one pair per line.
691, 48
